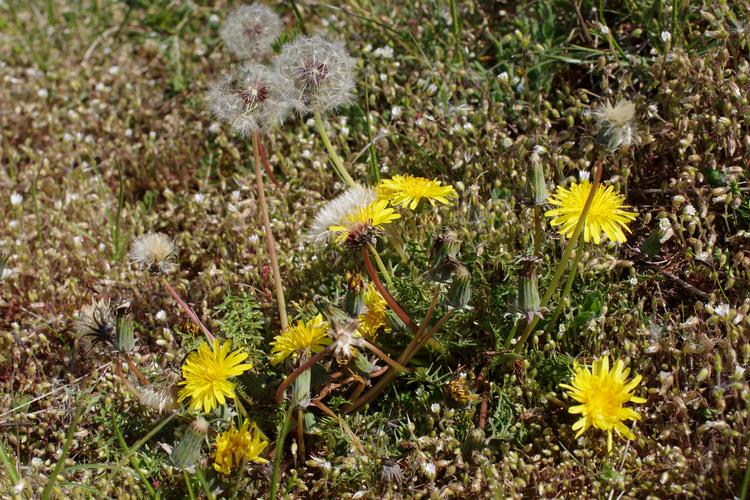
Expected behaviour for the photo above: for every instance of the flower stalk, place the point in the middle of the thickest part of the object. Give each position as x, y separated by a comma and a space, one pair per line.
564, 259
270, 243
386, 295
188, 310
338, 164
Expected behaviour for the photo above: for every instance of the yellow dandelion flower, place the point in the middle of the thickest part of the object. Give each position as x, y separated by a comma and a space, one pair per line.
207, 373
607, 213
304, 336
408, 191
234, 447
363, 220
602, 393
374, 317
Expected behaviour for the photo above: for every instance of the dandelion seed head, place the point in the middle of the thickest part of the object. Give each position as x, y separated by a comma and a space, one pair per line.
320, 73
335, 211
251, 98
153, 251
346, 339
616, 123
250, 30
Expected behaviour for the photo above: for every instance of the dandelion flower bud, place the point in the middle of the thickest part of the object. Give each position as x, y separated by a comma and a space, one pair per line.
124, 339
537, 183
154, 252
528, 288
354, 301
615, 124
320, 73
250, 30
188, 450
459, 293
250, 98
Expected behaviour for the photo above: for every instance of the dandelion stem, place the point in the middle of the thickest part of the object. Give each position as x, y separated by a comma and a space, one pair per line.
270, 243
566, 290
391, 362
283, 430
337, 163
381, 266
565, 257
188, 310
538, 230
299, 371
422, 327
266, 165
387, 296
301, 432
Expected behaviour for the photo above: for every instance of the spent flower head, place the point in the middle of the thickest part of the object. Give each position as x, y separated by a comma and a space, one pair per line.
250, 30
302, 338
237, 446
153, 251
320, 72
250, 98
602, 393
206, 374
334, 212
607, 214
346, 339
616, 123
97, 321
408, 191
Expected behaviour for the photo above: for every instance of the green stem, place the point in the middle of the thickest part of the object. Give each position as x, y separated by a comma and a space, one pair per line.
299, 371
552, 287
283, 430
565, 292
538, 230
191, 495
82, 406
338, 164
270, 242
381, 266
378, 352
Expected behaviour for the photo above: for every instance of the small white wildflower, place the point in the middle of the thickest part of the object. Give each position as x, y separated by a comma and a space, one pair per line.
666, 36
633, 280
152, 135
99, 87
345, 131
503, 77
113, 70
19, 486
16, 198
67, 137
250, 30
129, 132
722, 310
430, 471
396, 111
36, 462
383, 77
435, 407
213, 19
253, 239
334, 212
161, 315
584, 175
605, 30
251, 98
383, 52
153, 251
615, 123
689, 210
43, 93
320, 73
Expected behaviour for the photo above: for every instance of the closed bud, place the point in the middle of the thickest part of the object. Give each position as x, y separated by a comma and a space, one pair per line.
124, 339
446, 245
188, 450
459, 293
528, 287
537, 183
354, 301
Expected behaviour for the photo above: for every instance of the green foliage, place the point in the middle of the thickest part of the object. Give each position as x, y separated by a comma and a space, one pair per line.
242, 321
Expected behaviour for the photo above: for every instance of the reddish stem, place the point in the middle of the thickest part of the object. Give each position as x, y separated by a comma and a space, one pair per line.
266, 165
387, 296
299, 371
189, 311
